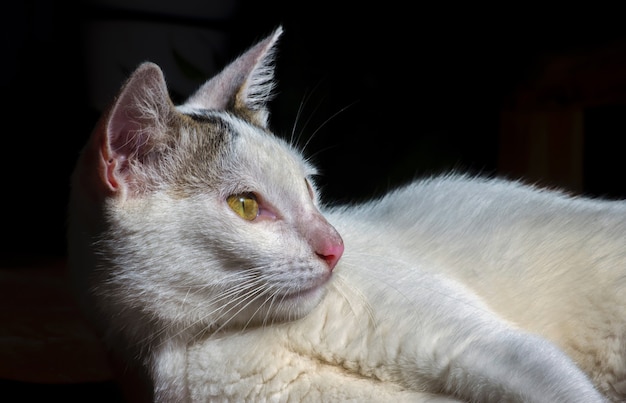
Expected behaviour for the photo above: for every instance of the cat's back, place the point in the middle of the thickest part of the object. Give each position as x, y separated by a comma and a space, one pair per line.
455, 214
472, 200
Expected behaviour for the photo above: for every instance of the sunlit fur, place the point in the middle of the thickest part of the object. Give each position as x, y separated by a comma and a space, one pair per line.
452, 288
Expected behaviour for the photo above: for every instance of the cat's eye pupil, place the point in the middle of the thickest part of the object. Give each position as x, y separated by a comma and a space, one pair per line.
245, 205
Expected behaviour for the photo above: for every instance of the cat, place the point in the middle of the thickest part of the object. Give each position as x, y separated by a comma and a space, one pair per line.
201, 252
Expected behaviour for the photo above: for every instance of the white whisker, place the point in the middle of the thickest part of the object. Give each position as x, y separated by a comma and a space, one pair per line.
295, 141
341, 289
324, 123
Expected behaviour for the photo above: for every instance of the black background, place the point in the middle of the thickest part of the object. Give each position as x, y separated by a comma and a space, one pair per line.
388, 90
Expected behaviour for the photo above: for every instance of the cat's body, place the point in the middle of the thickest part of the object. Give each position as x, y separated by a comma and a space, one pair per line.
449, 288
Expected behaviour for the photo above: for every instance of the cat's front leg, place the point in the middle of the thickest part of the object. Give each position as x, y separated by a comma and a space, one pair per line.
509, 366
470, 353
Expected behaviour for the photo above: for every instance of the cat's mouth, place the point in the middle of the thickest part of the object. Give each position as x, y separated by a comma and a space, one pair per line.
309, 291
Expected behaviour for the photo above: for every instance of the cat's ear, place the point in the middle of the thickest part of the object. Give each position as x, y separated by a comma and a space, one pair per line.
134, 125
244, 86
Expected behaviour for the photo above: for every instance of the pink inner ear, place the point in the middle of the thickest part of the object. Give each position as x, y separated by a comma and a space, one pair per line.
133, 118
126, 136
120, 144
110, 174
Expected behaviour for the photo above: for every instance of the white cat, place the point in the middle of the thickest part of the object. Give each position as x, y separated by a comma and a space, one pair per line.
202, 256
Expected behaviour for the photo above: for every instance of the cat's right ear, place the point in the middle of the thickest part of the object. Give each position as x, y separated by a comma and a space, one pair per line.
244, 86
132, 127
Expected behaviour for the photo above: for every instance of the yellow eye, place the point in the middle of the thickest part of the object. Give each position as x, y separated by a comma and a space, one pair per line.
245, 205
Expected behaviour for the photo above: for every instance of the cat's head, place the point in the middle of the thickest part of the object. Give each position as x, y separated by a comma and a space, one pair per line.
197, 213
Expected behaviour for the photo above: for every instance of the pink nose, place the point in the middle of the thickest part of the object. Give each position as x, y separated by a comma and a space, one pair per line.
331, 254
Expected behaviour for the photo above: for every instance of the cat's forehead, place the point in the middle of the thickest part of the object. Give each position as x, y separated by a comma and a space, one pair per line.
231, 129
264, 150
245, 148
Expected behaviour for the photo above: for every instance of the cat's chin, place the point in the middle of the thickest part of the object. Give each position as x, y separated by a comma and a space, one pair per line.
295, 305
305, 295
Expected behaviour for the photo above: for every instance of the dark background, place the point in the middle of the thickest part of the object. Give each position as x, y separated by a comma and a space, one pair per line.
388, 91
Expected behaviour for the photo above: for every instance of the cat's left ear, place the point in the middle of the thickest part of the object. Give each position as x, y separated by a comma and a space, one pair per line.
244, 86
